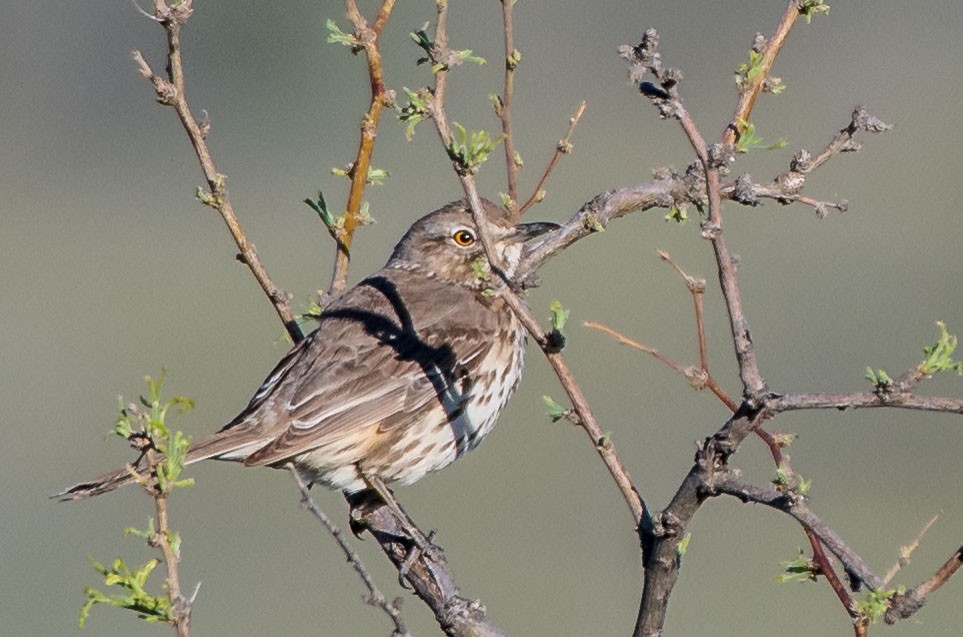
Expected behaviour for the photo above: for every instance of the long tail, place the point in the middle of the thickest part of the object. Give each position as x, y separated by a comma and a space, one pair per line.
228, 444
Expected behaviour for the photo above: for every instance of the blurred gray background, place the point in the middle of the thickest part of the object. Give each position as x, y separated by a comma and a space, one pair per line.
112, 270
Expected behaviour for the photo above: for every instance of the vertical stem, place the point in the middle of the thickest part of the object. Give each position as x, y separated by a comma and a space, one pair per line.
369, 38
505, 112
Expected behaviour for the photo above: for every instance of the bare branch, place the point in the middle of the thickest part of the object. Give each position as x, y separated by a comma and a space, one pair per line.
503, 107
796, 506
905, 605
171, 92
375, 596
826, 569
906, 551
645, 57
563, 147
863, 400
428, 574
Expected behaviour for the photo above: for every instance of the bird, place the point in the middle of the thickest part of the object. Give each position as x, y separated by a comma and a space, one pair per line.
406, 371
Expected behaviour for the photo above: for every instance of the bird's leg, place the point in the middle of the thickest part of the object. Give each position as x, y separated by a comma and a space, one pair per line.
378, 486
422, 544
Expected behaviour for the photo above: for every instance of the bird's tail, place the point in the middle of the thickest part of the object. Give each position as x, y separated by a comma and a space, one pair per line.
227, 444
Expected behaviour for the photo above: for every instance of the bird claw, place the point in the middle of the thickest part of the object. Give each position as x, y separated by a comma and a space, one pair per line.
422, 546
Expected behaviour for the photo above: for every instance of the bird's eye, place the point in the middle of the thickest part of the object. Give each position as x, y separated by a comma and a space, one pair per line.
463, 237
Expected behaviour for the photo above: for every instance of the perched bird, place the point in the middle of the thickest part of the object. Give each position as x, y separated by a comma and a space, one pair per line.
405, 373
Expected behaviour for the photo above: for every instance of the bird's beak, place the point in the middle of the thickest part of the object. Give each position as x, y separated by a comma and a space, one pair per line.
527, 232
531, 235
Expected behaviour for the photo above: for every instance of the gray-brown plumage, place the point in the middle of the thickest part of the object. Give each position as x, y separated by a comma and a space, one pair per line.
406, 371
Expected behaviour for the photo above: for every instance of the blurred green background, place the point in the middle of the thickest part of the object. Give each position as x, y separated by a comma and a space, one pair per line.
112, 270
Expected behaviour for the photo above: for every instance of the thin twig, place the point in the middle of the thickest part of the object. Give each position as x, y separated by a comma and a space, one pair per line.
906, 551
786, 187
171, 92
754, 85
798, 509
180, 610
368, 37
504, 106
864, 400
904, 605
580, 406
180, 606
697, 377
375, 596
826, 569
697, 287
564, 147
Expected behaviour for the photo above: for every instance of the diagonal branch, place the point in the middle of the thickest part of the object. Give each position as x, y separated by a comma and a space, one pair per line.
171, 92
585, 416
375, 596
753, 87
797, 507
429, 574
564, 147
905, 605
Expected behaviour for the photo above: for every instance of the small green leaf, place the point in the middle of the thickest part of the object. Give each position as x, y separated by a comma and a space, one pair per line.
148, 607
683, 544
809, 8
939, 356
559, 315
801, 569
337, 36
470, 150
514, 60
415, 111
480, 268
422, 39
749, 141
320, 206
555, 411
874, 605
880, 379
678, 214
377, 176
593, 224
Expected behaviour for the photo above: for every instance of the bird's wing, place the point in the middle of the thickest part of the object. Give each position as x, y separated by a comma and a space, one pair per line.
375, 359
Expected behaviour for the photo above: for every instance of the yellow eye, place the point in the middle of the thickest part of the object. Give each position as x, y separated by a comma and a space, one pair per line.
463, 237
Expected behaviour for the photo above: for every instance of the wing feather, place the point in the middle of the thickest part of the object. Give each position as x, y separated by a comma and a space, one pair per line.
375, 358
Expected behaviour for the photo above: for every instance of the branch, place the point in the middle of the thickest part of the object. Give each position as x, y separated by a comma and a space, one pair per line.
564, 147
503, 107
375, 596
661, 536
767, 51
586, 418
863, 400
368, 38
645, 57
786, 187
905, 605
180, 605
428, 574
170, 92
797, 507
